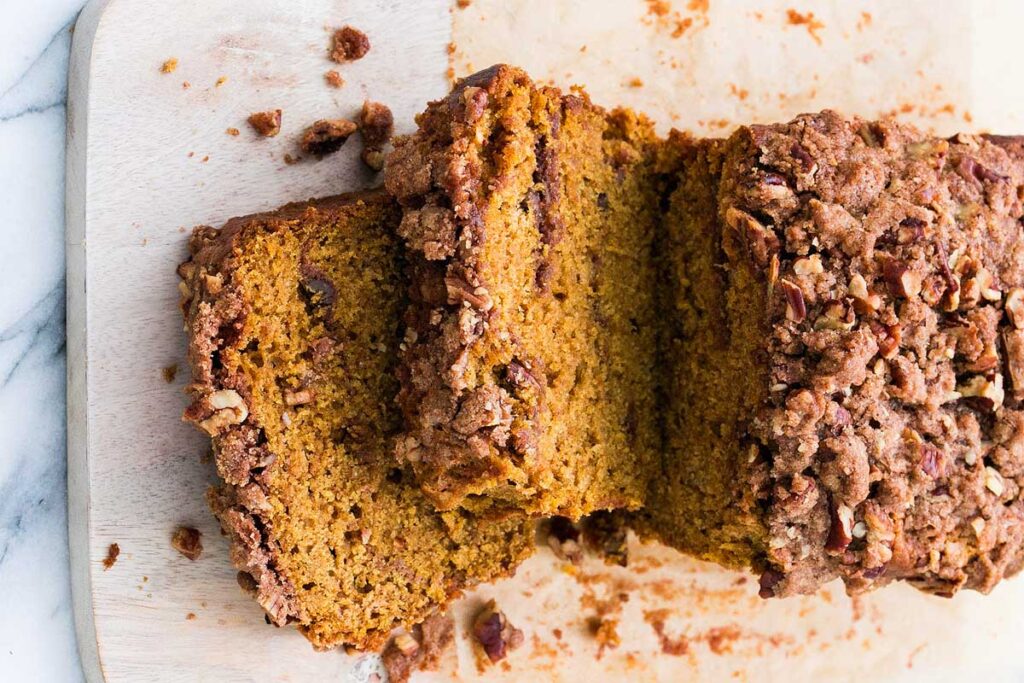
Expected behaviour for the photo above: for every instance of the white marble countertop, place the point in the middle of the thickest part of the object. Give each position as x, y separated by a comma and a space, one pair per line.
37, 639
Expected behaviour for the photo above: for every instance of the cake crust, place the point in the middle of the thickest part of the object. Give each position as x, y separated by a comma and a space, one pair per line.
890, 443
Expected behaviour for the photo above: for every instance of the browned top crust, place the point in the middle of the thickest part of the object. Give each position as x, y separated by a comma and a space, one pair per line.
894, 264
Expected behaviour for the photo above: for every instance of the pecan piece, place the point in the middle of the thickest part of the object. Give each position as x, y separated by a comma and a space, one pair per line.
864, 301
564, 540
888, 337
840, 534
461, 292
228, 409
836, 315
493, 633
983, 392
761, 242
1014, 306
188, 542
932, 460
1013, 343
796, 309
902, 281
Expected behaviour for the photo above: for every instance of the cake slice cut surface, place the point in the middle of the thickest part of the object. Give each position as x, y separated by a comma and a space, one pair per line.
293, 319
528, 373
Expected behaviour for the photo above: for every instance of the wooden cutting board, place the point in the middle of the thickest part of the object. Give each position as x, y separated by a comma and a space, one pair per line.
149, 157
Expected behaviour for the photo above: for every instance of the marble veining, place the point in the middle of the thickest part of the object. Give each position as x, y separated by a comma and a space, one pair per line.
37, 639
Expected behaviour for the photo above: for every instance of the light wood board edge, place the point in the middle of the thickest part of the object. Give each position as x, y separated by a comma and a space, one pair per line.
79, 68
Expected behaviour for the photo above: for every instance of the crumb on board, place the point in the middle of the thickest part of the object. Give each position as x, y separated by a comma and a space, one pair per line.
112, 552
635, 82
290, 160
169, 66
738, 92
266, 123
348, 44
220, 81
185, 85
206, 158
605, 632
421, 649
334, 79
191, 616
232, 131
807, 19
326, 136
188, 541
463, 4
170, 372
376, 124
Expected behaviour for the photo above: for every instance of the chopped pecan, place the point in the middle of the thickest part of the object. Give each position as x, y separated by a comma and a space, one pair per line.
188, 542
809, 265
836, 315
761, 242
796, 309
901, 279
564, 540
889, 338
798, 152
462, 292
228, 409
840, 532
1013, 343
932, 460
911, 230
493, 633
983, 392
770, 578
1014, 306
864, 301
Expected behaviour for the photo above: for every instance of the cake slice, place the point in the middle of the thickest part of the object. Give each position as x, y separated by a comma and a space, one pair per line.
293, 319
528, 372
846, 353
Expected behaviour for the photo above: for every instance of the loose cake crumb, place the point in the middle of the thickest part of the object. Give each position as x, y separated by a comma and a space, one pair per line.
266, 123
494, 637
807, 19
421, 650
348, 44
220, 81
169, 66
232, 131
112, 552
636, 82
170, 372
185, 85
188, 542
376, 125
326, 136
289, 159
191, 616
334, 79
463, 4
